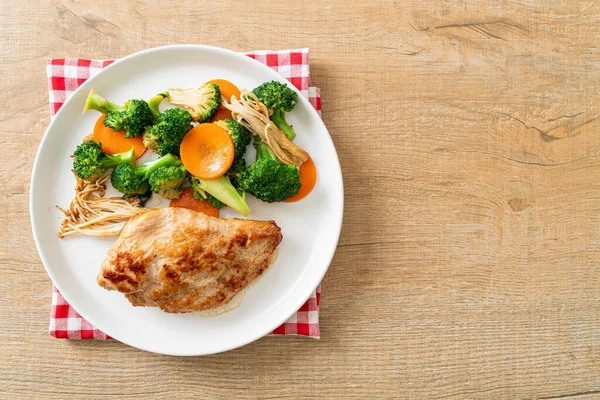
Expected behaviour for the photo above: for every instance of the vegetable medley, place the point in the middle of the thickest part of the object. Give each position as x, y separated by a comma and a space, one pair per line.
203, 141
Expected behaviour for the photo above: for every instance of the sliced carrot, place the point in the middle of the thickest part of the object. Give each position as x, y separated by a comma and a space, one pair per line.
187, 200
308, 179
222, 113
207, 151
228, 89
115, 142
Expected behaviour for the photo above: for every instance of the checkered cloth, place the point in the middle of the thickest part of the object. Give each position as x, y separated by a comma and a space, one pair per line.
67, 74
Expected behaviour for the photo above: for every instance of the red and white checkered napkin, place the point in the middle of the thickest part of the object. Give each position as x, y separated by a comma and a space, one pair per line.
66, 74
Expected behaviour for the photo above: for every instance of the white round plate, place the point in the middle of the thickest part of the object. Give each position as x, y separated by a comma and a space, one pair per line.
310, 227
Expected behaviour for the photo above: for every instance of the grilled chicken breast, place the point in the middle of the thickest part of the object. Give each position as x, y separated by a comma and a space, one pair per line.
181, 260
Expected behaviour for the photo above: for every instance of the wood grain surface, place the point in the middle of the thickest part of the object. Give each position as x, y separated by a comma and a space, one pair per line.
468, 133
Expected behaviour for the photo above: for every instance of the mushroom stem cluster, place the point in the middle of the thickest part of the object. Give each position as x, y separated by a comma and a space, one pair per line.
90, 213
254, 115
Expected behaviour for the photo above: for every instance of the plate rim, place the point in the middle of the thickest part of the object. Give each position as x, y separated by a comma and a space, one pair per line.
327, 257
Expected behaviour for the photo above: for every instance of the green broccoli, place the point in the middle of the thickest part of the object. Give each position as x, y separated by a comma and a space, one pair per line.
202, 195
126, 181
90, 162
133, 117
167, 181
240, 135
202, 103
222, 190
135, 180
165, 137
234, 171
114, 120
267, 179
281, 99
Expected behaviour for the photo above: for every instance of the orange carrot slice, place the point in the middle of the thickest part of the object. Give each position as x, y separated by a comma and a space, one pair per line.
207, 151
115, 142
187, 200
228, 89
308, 179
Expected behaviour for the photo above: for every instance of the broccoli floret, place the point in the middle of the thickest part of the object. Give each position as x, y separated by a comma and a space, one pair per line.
90, 162
240, 135
270, 181
114, 120
136, 117
202, 195
129, 180
126, 181
165, 137
267, 179
168, 148
232, 173
133, 117
220, 189
281, 99
276, 95
202, 103
167, 181
235, 170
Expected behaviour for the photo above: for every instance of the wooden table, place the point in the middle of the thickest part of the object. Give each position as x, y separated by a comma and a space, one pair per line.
468, 265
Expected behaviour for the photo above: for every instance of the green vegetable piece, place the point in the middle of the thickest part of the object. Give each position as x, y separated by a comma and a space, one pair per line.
202, 103
133, 117
165, 137
281, 99
267, 179
129, 180
90, 162
222, 190
167, 181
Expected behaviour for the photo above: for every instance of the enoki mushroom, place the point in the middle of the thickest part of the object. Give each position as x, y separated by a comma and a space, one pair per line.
90, 213
254, 115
